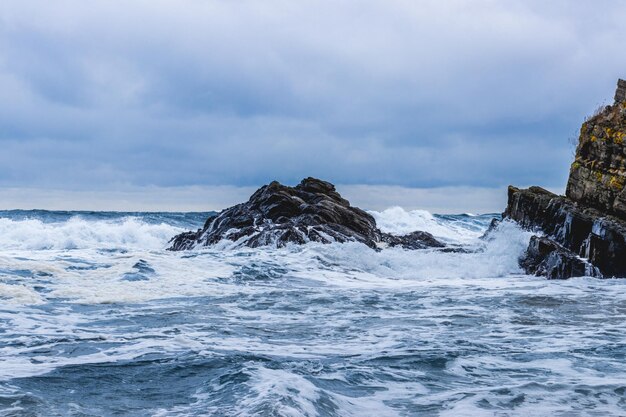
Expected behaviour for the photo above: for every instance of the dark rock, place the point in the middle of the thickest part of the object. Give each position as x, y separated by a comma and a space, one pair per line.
540, 210
620, 93
414, 240
547, 258
493, 225
312, 211
598, 173
585, 230
605, 247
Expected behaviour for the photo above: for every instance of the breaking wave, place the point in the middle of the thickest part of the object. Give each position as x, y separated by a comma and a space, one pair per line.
97, 318
462, 228
82, 233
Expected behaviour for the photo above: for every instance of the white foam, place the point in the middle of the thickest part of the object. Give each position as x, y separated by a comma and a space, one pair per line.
19, 294
494, 258
78, 233
99, 277
397, 221
134, 233
261, 300
289, 394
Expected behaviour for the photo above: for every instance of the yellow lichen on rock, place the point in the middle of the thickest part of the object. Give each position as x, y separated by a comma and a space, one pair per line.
616, 182
598, 175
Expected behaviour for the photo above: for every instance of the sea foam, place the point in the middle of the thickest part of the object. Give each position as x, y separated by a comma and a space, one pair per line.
82, 233
304, 330
458, 229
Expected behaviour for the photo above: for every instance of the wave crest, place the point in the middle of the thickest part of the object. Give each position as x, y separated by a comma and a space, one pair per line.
79, 233
453, 229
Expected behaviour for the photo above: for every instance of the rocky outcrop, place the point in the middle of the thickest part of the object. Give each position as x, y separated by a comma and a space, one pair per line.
585, 230
572, 244
598, 174
620, 93
312, 211
547, 258
415, 240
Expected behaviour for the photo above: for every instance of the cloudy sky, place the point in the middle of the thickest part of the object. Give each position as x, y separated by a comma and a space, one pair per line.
191, 104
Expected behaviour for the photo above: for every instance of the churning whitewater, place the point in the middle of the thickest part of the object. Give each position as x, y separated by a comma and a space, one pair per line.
98, 319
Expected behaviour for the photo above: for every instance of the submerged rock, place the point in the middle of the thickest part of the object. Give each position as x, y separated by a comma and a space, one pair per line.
312, 211
585, 230
413, 240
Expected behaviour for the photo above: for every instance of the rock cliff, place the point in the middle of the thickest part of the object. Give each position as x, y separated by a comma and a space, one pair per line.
311, 211
598, 174
585, 230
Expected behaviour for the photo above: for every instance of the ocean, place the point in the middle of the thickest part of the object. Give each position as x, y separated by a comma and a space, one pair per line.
98, 319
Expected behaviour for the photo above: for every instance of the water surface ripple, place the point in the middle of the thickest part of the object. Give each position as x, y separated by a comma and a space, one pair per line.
97, 319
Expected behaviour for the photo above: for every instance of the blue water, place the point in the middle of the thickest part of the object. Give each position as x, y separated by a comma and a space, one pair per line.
97, 319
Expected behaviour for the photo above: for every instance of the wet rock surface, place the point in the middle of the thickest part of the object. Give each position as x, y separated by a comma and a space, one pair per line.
414, 240
584, 232
587, 233
547, 258
312, 211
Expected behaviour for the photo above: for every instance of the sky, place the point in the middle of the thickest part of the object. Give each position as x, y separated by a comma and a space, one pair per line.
192, 104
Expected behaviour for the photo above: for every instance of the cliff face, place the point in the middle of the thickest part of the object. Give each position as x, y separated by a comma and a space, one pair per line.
577, 241
585, 230
598, 174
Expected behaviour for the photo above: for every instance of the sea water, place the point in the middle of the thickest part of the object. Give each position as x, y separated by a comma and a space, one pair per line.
98, 319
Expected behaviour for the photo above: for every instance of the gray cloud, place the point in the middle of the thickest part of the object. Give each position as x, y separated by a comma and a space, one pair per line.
415, 94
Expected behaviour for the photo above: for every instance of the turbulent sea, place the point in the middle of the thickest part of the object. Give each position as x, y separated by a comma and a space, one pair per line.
98, 319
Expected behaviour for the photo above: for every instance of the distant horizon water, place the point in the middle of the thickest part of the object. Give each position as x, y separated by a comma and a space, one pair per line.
441, 200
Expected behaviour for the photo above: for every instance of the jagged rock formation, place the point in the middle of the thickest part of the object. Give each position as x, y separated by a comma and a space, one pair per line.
598, 174
585, 230
311, 211
620, 93
568, 235
547, 258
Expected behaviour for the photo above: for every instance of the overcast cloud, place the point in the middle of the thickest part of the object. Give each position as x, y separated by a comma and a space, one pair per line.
109, 96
